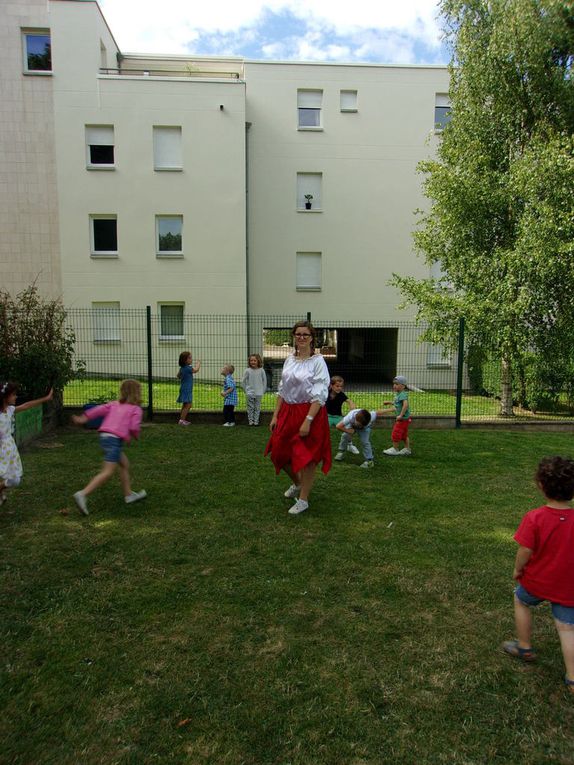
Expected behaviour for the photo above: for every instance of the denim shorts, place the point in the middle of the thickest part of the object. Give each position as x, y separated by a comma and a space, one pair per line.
564, 614
111, 447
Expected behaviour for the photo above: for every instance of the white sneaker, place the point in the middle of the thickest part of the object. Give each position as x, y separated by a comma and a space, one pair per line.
367, 464
81, 502
392, 452
299, 507
135, 496
184, 422
353, 449
228, 424
405, 452
292, 491
340, 456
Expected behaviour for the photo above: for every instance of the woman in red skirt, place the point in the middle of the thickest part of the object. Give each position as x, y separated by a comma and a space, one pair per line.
299, 427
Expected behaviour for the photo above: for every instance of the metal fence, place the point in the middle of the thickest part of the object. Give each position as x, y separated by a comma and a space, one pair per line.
113, 344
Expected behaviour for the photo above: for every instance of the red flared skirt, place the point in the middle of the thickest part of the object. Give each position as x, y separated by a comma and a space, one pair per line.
286, 445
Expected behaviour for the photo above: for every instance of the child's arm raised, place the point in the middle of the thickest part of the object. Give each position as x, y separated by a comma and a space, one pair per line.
35, 402
522, 558
197, 367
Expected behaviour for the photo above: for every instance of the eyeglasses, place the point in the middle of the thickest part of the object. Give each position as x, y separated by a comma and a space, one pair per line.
298, 335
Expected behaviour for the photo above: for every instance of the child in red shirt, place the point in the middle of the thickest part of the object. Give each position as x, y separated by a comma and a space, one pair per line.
544, 565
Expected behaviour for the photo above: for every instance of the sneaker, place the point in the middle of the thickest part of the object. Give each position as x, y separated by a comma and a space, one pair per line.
135, 496
392, 452
340, 456
292, 491
81, 502
299, 507
228, 424
405, 452
184, 422
367, 464
353, 449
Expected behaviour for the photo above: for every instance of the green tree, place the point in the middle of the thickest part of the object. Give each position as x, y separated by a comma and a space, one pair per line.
501, 221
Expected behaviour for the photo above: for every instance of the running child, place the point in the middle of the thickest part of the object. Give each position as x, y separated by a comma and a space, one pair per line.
400, 432
543, 565
254, 383
229, 395
10, 462
359, 421
334, 406
122, 422
185, 375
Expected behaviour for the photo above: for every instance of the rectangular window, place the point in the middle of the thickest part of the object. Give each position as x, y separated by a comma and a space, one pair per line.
106, 322
438, 356
349, 101
171, 321
169, 230
309, 108
100, 146
104, 235
37, 50
442, 112
167, 148
309, 191
309, 271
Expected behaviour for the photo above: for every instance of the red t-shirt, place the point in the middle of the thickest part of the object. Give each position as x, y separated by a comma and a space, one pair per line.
549, 574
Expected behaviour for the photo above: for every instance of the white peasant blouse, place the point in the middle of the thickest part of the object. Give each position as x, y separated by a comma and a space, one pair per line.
304, 381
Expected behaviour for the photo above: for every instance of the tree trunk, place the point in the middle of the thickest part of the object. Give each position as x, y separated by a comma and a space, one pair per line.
506, 389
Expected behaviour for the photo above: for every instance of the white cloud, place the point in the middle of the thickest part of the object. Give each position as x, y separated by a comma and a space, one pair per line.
173, 26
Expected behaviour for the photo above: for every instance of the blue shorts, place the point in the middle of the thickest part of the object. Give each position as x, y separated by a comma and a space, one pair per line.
111, 447
564, 614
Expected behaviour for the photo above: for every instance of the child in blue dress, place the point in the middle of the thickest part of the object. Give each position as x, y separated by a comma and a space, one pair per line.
229, 395
185, 375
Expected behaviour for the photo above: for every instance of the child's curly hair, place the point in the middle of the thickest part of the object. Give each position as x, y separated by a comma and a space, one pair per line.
555, 476
130, 392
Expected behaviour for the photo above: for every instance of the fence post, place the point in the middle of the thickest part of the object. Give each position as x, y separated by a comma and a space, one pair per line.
309, 316
149, 365
459, 373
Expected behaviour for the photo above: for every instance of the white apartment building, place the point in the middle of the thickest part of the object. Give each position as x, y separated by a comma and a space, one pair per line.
206, 185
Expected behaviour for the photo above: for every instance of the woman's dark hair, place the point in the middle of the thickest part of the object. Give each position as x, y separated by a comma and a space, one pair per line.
306, 325
183, 357
6, 390
555, 476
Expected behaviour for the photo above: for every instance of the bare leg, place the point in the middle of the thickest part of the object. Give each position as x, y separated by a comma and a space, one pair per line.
566, 635
107, 471
295, 477
307, 480
184, 411
124, 466
523, 621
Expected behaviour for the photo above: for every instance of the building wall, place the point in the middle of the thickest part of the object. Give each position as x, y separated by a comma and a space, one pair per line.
370, 186
209, 191
29, 241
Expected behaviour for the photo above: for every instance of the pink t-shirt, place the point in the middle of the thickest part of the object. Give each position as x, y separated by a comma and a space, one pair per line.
122, 420
549, 573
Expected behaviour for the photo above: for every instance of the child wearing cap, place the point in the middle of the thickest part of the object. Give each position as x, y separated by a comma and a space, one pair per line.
400, 432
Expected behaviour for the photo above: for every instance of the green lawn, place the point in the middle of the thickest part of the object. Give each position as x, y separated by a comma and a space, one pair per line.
206, 625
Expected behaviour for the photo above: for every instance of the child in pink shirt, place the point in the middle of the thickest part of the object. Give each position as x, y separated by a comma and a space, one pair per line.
122, 421
544, 563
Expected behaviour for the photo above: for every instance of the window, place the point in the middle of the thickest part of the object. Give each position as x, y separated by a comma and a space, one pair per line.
309, 271
167, 148
37, 51
100, 146
169, 235
438, 356
309, 185
349, 101
171, 321
442, 113
309, 109
106, 322
104, 235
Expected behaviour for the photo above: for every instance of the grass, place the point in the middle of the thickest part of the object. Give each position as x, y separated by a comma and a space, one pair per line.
207, 398
206, 625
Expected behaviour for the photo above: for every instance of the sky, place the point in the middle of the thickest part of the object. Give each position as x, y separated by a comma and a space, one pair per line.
350, 31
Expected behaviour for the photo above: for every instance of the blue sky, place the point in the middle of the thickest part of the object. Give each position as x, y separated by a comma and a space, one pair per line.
379, 31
